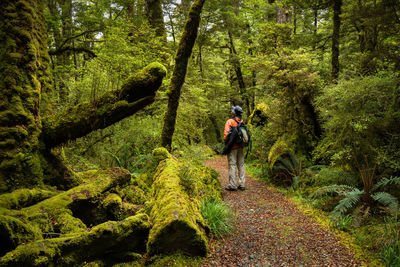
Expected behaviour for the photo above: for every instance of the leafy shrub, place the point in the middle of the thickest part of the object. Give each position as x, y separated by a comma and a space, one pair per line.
218, 215
360, 118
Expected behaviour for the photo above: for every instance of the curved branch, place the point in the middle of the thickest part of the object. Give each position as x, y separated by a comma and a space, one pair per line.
137, 92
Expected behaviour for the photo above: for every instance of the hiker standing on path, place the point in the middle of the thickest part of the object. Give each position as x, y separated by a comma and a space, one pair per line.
234, 151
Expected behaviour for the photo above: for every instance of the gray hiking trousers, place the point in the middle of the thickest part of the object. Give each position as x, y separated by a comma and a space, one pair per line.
236, 159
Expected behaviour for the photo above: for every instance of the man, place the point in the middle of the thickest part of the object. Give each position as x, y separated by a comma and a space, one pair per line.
234, 151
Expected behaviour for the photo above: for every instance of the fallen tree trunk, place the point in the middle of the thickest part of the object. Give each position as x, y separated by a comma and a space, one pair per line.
102, 240
173, 214
137, 92
24, 197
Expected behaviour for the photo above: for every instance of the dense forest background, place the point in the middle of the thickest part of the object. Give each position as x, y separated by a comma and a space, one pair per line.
318, 82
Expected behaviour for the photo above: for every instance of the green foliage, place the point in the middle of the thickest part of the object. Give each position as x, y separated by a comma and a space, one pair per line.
360, 120
354, 196
218, 215
391, 254
343, 222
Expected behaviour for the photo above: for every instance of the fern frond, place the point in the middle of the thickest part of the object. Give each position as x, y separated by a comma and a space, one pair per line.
294, 160
341, 190
287, 165
115, 157
351, 198
386, 199
386, 181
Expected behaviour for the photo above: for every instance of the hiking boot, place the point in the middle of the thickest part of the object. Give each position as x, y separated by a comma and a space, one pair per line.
228, 188
241, 188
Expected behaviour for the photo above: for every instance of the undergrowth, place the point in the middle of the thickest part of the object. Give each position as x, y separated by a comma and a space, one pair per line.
219, 217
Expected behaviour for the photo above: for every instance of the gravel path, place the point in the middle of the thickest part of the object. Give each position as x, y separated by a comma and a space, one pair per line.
271, 231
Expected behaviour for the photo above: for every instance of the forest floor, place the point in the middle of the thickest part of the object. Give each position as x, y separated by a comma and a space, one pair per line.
272, 231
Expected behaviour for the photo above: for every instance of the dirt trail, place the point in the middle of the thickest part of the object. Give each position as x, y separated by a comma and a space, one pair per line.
271, 231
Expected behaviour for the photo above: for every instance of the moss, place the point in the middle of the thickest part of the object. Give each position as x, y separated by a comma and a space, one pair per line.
279, 148
112, 206
24, 63
160, 154
110, 237
24, 197
133, 194
259, 116
137, 92
174, 215
78, 200
14, 232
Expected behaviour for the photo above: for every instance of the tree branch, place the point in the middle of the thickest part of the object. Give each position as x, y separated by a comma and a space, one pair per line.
137, 92
73, 49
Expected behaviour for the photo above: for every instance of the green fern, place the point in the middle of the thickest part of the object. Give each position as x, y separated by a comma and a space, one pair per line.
341, 190
350, 200
386, 181
386, 199
115, 157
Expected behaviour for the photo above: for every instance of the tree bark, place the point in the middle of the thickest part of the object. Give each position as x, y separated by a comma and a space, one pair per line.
178, 77
337, 9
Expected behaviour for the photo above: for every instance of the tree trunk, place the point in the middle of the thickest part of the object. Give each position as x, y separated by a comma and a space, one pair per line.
24, 80
238, 70
337, 9
178, 77
25, 156
156, 19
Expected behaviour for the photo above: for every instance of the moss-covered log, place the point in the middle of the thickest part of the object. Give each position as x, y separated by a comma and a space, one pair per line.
173, 214
129, 235
59, 214
137, 92
183, 53
80, 200
24, 197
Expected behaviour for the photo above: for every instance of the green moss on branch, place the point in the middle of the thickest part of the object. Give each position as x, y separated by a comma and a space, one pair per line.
137, 92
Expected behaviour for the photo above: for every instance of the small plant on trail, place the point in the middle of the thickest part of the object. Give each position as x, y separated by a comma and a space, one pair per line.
343, 222
391, 250
218, 215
